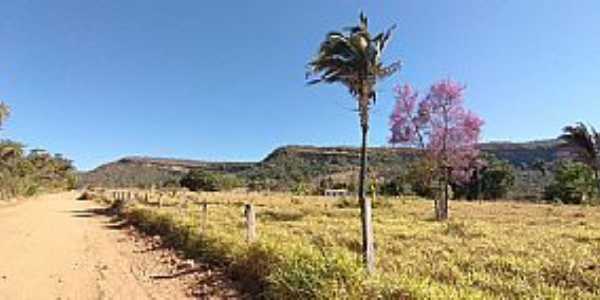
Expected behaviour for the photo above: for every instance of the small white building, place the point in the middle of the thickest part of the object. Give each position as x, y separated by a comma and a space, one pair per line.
336, 193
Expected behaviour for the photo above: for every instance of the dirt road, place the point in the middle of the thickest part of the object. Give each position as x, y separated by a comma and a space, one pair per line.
55, 247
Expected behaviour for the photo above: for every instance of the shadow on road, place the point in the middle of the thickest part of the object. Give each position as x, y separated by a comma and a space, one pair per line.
114, 222
206, 284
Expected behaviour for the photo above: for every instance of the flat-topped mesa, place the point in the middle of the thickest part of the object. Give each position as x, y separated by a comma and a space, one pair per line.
289, 165
516, 153
185, 164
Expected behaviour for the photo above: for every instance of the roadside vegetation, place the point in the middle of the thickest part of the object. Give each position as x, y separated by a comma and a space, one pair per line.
26, 173
310, 247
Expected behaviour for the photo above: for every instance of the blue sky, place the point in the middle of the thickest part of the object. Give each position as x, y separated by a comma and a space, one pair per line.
224, 80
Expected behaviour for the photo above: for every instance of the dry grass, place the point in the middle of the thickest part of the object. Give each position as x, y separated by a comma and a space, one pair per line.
485, 251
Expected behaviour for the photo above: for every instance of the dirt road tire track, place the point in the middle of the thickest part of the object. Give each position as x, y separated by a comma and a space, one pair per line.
55, 247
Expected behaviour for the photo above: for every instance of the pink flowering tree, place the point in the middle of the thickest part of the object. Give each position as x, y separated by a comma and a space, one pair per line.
439, 124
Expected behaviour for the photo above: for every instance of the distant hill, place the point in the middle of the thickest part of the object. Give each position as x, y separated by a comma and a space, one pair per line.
532, 161
139, 171
286, 166
524, 154
184, 165
289, 165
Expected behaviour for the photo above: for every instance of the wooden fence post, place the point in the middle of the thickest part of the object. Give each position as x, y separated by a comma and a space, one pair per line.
204, 217
250, 223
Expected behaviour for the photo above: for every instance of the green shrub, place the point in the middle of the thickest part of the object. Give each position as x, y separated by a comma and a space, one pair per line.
301, 189
395, 187
200, 180
573, 182
497, 179
494, 181
421, 178
26, 174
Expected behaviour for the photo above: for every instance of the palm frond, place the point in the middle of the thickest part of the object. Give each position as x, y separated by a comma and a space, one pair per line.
352, 58
582, 142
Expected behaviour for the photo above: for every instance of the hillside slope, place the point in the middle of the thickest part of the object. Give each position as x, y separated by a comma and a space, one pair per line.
286, 166
149, 171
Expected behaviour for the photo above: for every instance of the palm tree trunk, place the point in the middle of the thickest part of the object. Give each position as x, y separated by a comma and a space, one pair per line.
365, 207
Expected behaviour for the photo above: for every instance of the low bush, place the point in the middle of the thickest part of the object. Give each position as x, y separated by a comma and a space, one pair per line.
573, 184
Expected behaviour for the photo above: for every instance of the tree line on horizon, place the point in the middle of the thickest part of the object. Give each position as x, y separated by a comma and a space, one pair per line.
26, 173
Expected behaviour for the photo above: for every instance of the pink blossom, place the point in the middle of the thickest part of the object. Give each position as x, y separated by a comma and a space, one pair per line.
401, 120
441, 125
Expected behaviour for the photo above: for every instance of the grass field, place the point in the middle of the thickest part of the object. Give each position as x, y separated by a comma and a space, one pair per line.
308, 247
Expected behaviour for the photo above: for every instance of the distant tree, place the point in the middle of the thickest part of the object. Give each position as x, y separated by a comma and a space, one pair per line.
4, 113
573, 183
441, 125
201, 180
394, 187
229, 182
490, 178
421, 176
301, 189
171, 183
497, 178
261, 184
26, 174
540, 165
584, 143
325, 184
10, 150
354, 59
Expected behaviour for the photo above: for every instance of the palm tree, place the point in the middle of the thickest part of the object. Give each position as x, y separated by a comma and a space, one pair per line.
584, 143
353, 58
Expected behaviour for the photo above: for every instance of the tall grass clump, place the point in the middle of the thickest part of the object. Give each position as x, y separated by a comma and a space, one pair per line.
266, 267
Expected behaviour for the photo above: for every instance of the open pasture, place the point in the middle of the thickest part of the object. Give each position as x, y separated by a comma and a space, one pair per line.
310, 246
